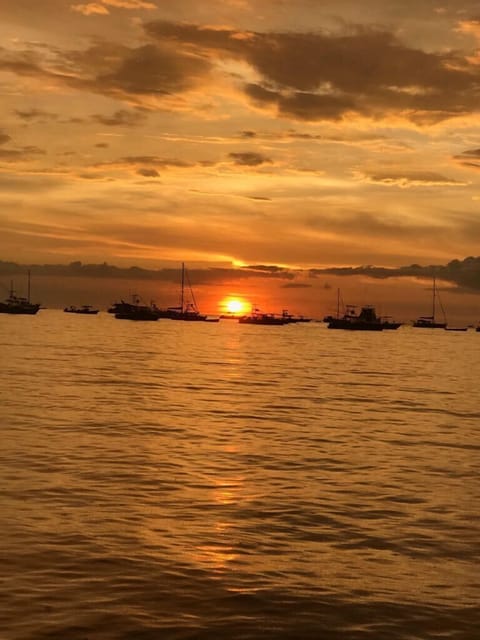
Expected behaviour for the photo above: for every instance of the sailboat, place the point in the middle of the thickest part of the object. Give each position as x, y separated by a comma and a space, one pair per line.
187, 310
18, 305
429, 322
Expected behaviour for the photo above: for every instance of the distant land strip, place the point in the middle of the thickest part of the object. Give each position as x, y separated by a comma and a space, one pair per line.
463, 273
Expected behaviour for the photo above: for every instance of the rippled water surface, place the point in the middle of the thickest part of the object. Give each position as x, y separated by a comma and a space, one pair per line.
176, 480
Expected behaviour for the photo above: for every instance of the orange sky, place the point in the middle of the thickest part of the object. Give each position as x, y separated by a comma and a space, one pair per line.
299, 133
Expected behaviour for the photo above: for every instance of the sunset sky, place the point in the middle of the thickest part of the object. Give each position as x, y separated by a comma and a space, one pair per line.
297, 133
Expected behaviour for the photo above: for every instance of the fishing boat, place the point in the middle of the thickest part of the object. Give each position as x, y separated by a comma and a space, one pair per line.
85, 309
259, 317
187, 310
289, 317
389, 323
134, 310
366, 320
18, 305
117, 307
430, 322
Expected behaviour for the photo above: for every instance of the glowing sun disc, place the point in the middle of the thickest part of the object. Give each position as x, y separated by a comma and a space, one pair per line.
235, 305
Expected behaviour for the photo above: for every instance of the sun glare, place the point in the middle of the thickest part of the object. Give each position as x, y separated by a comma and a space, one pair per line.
235, 306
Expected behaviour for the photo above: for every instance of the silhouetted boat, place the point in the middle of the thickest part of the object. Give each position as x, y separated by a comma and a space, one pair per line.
85, 309
289, 318
366, 320
117, 307
430, 322
456, 328
258, 317
134, 311
18, 305
187, 310
388, 323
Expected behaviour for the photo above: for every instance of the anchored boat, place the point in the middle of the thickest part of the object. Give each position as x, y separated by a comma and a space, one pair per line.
18, 305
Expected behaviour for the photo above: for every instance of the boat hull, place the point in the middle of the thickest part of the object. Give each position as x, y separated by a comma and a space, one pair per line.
138, 315
83, 312
422, 324
270, 321
19, 310
355, 325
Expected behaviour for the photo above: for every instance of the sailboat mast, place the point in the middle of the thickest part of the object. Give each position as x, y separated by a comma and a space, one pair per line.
433, 300
28, 290
183, 287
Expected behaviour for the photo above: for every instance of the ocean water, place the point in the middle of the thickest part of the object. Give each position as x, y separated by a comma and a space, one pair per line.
179, 481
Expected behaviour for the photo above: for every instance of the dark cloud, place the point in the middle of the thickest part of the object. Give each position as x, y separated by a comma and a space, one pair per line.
21, 153
112, 69
313, 76
22, 63
464, 273
249, 158
35, 114
153, 69
471, 153
296, 285
304, 76
163, 162
154, 161
469, 158
269, 268
411, 179
4, 138
300, 105
148, 173
122, 118
200, 276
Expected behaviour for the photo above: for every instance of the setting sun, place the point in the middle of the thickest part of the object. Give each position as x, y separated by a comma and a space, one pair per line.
235, 306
